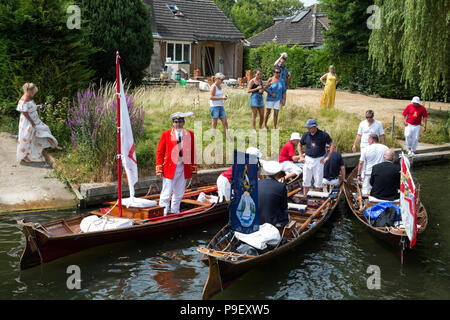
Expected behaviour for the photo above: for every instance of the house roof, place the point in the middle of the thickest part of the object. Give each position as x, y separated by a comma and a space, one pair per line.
297, 29
196, 20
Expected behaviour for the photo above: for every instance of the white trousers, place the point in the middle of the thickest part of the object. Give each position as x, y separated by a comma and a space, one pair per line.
412, 134
223, 188
313, 168
173, 188
366, 186
290, 166
333, 182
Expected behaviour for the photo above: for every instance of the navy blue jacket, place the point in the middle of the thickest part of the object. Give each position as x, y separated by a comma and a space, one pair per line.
272, 202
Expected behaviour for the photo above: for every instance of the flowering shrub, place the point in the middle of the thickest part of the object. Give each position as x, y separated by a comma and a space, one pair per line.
92, 119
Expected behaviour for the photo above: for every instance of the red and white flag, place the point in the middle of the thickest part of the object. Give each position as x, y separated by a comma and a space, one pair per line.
128, 149
408, 201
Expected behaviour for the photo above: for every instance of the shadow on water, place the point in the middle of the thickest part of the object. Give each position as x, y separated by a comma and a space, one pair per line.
331, 265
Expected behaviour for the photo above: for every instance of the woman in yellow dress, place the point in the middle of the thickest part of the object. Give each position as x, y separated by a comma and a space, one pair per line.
329, 92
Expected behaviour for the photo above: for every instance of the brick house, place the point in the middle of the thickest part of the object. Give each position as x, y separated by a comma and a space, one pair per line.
194, 34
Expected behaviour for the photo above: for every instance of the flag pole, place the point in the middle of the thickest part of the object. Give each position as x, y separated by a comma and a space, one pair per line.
119, 151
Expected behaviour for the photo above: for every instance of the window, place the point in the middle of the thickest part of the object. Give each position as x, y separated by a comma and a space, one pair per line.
178, 52
174, 9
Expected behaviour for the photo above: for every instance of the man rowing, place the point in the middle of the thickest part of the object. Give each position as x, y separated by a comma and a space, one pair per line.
175, 162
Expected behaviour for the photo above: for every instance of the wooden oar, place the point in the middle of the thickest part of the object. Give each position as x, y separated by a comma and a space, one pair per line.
222, 255
358, 190
290, 194
319, 210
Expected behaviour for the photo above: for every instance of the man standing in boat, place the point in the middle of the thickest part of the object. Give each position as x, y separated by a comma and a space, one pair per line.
175, 162
314, 141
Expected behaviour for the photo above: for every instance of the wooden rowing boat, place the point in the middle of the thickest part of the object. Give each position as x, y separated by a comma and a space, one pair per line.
225, 265
394, 236
63, 237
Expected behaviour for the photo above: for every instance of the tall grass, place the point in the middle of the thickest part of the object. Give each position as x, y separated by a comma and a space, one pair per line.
159, 102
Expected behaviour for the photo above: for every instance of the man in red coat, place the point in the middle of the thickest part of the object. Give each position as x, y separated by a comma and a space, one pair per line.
175, 162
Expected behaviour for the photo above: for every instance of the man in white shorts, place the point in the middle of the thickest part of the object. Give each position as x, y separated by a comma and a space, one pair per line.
370, 156
289, 159
366, 127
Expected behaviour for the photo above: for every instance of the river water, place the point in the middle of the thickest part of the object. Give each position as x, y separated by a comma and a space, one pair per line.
331, 265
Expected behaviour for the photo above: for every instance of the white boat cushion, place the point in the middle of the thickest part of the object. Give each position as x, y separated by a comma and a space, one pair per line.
317, 194
138, 203
94, 223
373, 199
298, 207
267, 234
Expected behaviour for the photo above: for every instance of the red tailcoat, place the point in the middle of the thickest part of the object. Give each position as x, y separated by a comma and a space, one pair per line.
167, 154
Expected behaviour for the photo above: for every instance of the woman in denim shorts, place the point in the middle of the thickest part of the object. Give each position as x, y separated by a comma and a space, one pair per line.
255, 87
216, 100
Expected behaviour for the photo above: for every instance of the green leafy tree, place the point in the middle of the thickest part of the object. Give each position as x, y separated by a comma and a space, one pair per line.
119, 25
415, 36
36, 46
225, 6
253, 16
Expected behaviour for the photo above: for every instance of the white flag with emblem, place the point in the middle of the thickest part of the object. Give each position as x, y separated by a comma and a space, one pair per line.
129, 161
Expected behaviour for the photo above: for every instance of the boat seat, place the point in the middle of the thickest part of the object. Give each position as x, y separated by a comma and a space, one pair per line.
376, 200
195, 202
288, 229
297, 207
317, 194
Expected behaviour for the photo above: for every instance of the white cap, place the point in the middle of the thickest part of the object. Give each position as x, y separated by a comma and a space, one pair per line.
254, 151
416, 100
284, 55
219, 75
295, 136
178, 115
272, 167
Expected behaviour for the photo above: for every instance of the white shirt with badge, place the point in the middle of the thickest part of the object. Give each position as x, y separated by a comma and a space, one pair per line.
365, 129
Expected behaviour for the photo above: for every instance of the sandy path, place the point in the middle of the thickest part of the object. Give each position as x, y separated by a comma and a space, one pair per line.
31, 186
358, 103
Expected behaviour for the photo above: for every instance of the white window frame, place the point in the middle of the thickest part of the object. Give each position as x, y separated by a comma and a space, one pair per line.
182, 43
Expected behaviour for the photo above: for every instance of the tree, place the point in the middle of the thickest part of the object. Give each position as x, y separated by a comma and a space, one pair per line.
36, 46
225, 6
348, 32
415, 36
119, 25
253, 16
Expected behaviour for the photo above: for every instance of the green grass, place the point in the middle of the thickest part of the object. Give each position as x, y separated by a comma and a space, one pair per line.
159, 103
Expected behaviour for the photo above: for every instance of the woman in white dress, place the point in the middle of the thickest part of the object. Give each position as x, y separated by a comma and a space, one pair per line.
34, 135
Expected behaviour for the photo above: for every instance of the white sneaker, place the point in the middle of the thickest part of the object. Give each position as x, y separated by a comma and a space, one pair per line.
410, 153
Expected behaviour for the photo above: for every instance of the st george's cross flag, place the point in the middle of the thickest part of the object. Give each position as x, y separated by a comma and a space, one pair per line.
408, 201
128, 149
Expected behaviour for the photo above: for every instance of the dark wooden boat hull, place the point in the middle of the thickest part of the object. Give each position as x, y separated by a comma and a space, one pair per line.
42, 247
228, 271
397, 241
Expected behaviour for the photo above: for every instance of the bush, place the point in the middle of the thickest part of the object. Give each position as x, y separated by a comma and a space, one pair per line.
92, 121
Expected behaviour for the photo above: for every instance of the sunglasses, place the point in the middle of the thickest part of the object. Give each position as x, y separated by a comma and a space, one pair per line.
178, 120
277, 72
371, 117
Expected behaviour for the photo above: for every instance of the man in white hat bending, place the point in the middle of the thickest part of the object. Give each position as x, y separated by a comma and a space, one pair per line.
412, 117
314, 141
224, 179
289, 159
175, 162
272, 196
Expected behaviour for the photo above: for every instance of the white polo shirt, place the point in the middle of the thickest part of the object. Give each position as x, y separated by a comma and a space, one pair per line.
365, 130
372, 155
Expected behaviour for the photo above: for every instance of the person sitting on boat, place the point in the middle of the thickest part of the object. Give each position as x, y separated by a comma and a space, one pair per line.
370, 156
272, 196
224, 179
332, 168
289, 159
385, 178
175, 162
314, 141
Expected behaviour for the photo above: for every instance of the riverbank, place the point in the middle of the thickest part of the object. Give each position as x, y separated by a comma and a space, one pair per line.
29, 187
